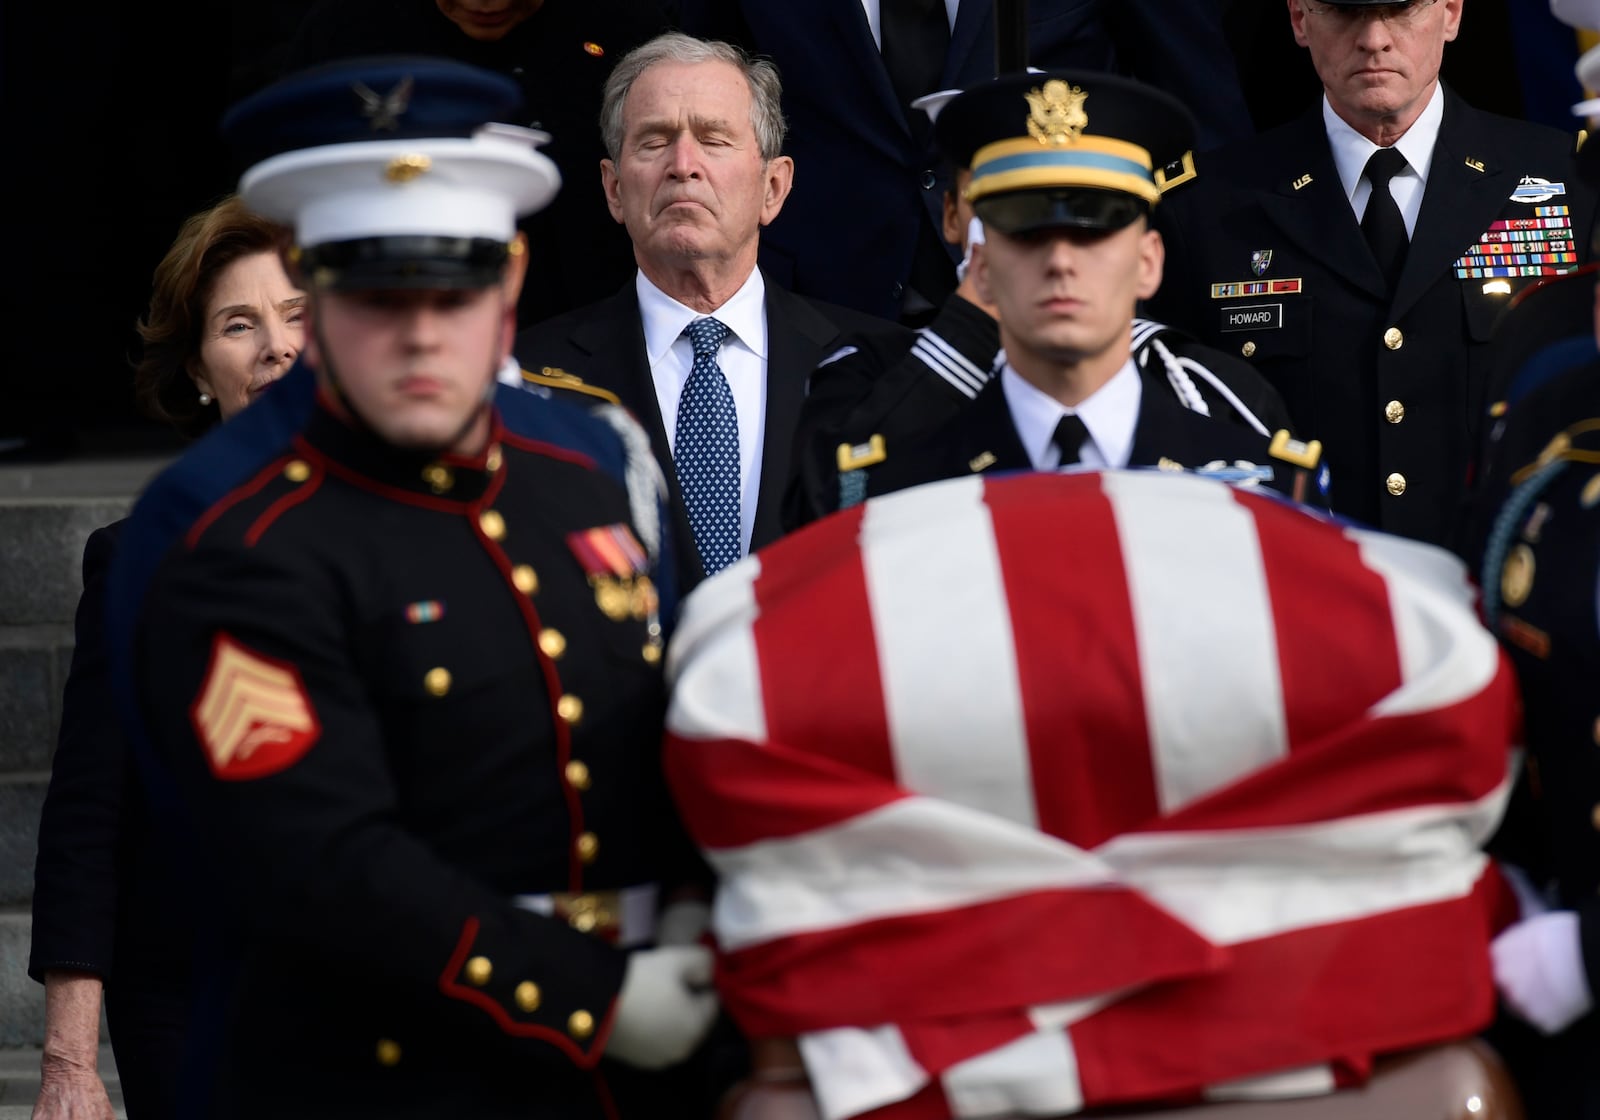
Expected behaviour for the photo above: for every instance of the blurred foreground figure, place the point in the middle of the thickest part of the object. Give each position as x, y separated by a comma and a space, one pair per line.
1175, 788
406, 672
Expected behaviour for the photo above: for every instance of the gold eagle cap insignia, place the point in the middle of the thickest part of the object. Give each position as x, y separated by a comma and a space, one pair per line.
1056, 115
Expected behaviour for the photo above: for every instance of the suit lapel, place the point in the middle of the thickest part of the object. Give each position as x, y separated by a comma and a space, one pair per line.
1458, 204
974, 28
797, 339
1306, 201
851, 19
614, 338
988, 438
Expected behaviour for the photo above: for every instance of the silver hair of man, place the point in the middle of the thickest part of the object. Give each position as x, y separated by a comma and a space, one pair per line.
766, 90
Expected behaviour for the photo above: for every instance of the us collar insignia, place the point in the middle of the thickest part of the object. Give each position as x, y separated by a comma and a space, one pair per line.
384, 111
1055, 113
1260, 261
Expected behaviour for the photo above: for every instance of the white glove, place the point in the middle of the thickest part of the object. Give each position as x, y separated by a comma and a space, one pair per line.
1538, 967
683, 922
974, 237
666, 1007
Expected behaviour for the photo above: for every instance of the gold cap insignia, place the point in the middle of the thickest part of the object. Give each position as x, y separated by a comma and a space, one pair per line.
1055, 113
404, 168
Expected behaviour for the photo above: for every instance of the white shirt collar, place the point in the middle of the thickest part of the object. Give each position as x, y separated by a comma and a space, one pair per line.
510, 373
1351, 150
1110, 414
744, 314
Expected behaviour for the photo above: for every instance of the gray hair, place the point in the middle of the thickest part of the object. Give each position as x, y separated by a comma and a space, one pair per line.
766, 90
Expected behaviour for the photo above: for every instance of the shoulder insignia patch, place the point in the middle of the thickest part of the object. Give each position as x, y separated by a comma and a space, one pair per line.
252, 716
853, 457
1176, 173
554, 377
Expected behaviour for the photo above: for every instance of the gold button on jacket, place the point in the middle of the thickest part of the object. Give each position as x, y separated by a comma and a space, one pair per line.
1393, 339
1394, 412
1396, 483
478, 971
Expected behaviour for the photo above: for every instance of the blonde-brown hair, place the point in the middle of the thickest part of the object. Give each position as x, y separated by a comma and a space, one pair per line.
208, 242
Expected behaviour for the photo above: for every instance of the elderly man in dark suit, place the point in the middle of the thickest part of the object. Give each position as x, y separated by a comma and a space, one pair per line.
1360, 255
710, 356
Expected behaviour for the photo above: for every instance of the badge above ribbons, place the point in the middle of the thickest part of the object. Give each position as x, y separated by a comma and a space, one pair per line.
252, 715
1260, 261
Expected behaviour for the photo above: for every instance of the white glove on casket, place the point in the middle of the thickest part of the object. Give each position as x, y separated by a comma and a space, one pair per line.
665, 1008
1538, 967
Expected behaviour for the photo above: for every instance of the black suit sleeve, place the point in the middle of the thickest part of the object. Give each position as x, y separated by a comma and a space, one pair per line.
80, 830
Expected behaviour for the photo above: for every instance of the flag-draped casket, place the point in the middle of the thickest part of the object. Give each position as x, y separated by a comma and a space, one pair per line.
1038, 793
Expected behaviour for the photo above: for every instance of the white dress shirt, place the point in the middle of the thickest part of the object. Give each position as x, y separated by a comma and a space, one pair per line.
1110, 414
1351, 150
743, 359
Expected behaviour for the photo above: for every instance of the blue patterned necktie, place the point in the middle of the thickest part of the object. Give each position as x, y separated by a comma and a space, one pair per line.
706, 454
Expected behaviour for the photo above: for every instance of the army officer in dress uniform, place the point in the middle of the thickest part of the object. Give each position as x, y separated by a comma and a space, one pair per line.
409, 672
1064, 172
1359, 255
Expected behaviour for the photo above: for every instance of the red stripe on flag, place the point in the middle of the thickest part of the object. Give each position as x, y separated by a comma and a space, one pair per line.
813, 591
995, 956
1370, 986
1085, 724
732, 793
1440, 757
1313, 575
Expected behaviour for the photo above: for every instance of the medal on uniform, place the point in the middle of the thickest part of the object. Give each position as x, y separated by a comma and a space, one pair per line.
615, 562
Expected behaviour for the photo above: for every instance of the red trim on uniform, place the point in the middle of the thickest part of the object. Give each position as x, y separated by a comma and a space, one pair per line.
393, 493
283, 505
450, 989
552, 685
233, 498
603, 1092
549, 450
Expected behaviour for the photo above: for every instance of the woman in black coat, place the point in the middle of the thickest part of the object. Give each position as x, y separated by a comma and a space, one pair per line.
109, 913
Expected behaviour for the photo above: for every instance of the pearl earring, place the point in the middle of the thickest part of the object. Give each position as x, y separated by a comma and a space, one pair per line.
205, 399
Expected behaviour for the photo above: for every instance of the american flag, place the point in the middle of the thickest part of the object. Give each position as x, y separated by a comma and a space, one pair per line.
1033, 794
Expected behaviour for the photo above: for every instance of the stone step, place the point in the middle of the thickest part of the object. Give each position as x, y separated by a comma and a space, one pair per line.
21, 1000
19, 1082
33, 670
41, 575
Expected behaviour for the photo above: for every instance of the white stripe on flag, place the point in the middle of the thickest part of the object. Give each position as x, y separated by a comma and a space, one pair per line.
913, 856
1446, 655
1239, 886
722, 698
955, 714
1196, 582
1035, 1075
854, 1071
1307, 1081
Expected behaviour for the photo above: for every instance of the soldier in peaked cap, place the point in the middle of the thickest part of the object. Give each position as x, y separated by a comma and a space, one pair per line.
406, 669
1064, 170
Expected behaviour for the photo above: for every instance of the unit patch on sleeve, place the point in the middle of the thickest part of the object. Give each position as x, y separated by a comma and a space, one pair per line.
252, 715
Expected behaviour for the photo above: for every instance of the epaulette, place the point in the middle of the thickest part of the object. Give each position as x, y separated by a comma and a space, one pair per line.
553, 377
1305, 457
853, 461
1176, 173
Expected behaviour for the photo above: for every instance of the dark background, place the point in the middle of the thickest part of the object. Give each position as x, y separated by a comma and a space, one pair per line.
111, 115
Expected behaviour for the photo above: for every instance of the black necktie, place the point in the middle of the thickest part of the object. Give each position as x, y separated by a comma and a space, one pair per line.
916, 37
1382, 224
1070, 436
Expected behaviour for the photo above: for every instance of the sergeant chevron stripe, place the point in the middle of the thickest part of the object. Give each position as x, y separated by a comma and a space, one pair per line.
252, 715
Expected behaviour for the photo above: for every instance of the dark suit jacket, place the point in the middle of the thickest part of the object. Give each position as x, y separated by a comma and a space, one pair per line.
866, 179
604, 344
1394, 387
984, 438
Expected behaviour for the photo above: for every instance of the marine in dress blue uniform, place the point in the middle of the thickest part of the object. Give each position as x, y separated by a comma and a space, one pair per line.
411, 694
